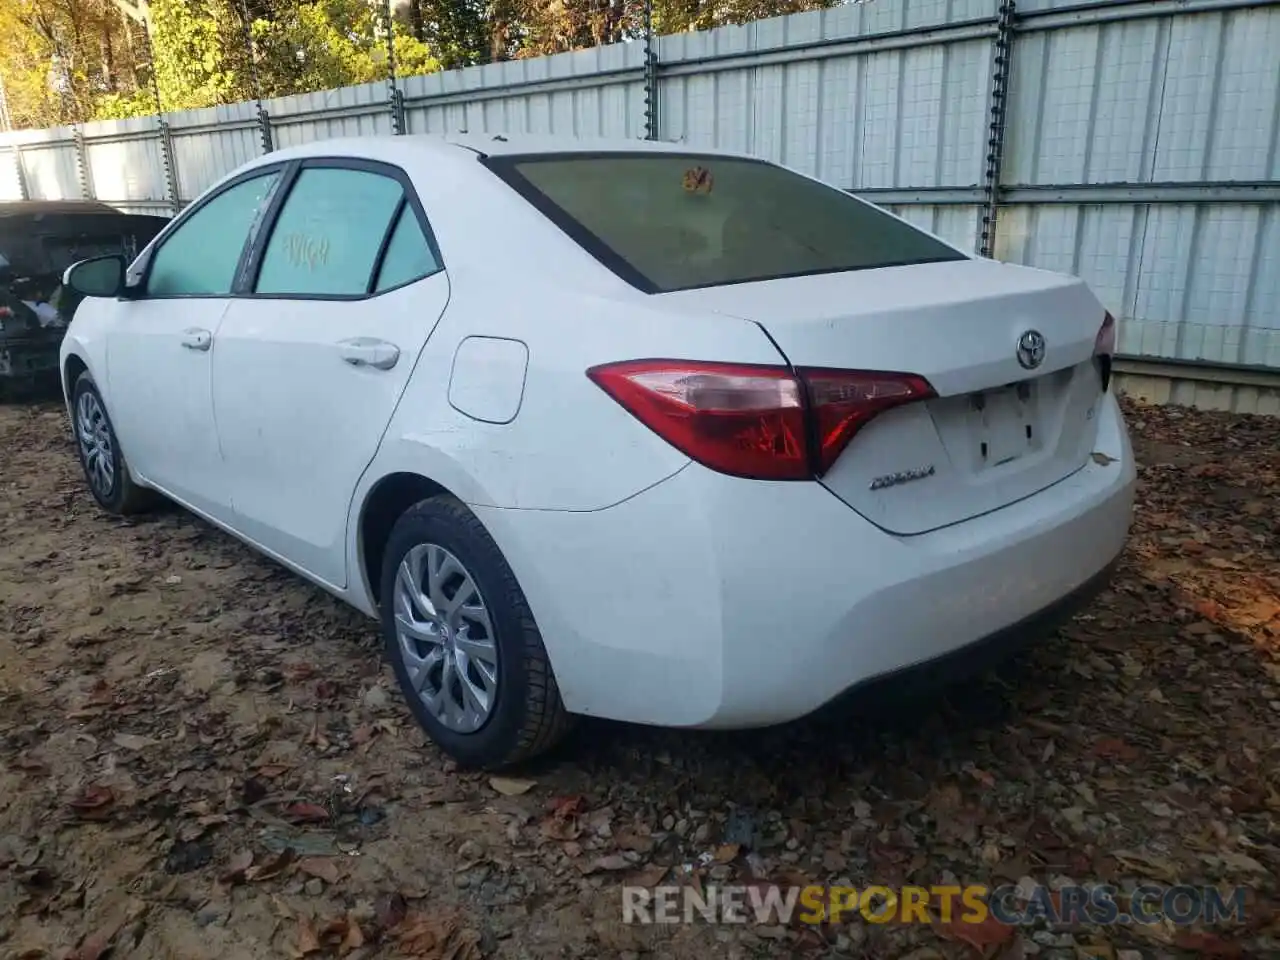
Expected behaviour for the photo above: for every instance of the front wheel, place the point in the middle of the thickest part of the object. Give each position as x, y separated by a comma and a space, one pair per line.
100, 455
462, 641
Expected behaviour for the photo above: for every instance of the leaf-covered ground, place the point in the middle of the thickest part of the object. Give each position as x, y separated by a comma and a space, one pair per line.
202, 757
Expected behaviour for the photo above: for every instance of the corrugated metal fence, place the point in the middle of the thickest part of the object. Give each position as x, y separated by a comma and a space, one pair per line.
1136, 144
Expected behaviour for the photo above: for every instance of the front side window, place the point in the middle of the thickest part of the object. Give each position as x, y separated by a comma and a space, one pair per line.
667, 221
329, 233
200, 257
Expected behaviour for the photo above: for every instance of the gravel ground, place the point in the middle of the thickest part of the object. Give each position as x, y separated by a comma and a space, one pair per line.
203, 758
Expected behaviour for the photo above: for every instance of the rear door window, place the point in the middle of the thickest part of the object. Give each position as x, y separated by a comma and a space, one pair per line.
667, 221
329, 233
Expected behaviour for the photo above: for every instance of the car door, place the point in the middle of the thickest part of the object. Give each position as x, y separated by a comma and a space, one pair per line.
159, 345
310, 364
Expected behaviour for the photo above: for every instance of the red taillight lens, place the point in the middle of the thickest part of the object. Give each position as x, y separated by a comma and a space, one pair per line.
843, 402
738, 419
754, 421
1105, 343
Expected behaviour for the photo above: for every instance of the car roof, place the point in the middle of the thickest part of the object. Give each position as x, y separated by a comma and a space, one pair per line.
31, 208
463, 145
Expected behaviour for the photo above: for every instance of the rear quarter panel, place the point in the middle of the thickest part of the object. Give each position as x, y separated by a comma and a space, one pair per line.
514, 275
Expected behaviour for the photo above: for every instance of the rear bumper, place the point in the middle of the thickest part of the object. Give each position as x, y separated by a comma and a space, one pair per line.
973, 659
709, 601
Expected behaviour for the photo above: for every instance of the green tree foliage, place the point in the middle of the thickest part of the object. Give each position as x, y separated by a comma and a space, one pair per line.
68, 61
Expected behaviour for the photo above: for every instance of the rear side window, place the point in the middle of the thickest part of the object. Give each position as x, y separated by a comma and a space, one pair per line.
408, 256
667, 221
329, 233
201, 255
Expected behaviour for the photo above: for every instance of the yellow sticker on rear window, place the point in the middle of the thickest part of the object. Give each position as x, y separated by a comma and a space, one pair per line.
698, 180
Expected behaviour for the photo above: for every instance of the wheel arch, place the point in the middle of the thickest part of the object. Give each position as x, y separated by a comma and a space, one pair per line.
72, 367
382, 506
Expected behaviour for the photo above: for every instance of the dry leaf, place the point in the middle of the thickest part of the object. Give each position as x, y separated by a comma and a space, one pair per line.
322, 867
630, 840
130, 741
355, 936
439, 938
611, 863
556, 829
725, 852
982, 776
650, 876
981, 936
306, 813
566, 807
98, 943
389, 910
308, 941
93, 802
236, 867
1116, 749
272, 868
510, 786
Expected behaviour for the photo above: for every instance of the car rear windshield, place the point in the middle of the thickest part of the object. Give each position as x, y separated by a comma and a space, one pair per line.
668, 221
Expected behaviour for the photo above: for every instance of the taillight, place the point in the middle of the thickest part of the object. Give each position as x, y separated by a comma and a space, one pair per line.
762, 422
1104, 348
844, 401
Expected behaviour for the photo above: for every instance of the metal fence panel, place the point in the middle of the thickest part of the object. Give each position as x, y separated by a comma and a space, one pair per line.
1184, 99
1141, 148
587, 93
208, 144
49, 163
124, 164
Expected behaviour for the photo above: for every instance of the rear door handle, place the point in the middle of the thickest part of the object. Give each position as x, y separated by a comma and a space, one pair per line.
368, 352
193, 338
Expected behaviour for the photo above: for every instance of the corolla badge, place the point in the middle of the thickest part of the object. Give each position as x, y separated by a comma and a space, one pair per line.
1031, 348
902, 476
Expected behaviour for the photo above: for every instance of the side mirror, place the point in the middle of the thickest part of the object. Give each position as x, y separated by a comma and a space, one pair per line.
96, 277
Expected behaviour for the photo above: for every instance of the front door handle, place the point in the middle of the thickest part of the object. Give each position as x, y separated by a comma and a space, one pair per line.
368, 352
193, 338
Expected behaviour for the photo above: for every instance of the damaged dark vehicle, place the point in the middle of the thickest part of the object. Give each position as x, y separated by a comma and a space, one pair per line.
39, 239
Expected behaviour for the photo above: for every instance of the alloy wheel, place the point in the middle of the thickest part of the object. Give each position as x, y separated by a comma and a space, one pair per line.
446, 638
96, 448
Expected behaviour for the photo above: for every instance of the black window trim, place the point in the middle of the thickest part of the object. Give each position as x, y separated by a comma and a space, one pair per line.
248, 279
378, 262
281, 169
259, 235
505, 167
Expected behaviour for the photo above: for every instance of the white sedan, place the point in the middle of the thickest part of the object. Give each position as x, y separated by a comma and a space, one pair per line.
618, 429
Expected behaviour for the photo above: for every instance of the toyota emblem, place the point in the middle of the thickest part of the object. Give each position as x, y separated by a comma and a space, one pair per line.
1031, 349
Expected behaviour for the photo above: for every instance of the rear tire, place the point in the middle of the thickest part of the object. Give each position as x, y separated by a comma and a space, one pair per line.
105, 468
462, 641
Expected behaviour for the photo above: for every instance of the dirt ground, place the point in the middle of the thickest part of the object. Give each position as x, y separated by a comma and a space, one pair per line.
203, 758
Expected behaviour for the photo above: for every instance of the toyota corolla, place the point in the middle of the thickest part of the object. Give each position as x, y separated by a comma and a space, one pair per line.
616, 429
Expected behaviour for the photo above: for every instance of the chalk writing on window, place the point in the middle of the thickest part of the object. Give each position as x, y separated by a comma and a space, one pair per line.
306, 251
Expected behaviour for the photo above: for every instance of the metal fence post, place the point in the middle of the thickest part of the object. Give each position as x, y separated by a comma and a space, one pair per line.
395, 97
24, 190
264, 120
170, 167
264, 130
650, 76
82, 164
1001, 65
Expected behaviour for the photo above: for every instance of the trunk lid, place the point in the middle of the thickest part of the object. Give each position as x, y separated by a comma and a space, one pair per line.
996, 433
